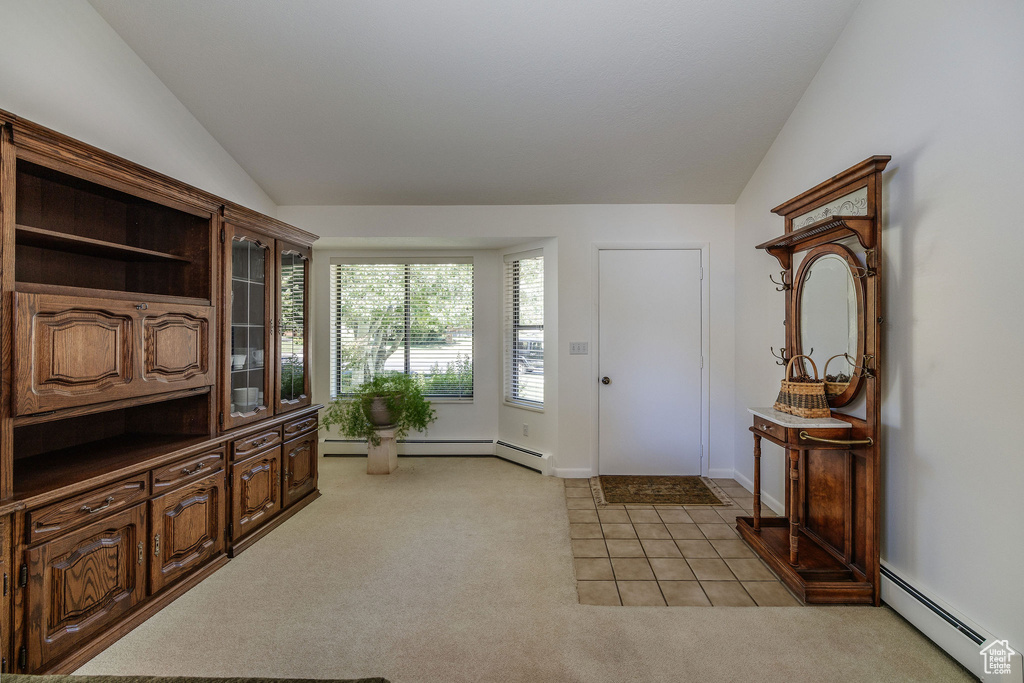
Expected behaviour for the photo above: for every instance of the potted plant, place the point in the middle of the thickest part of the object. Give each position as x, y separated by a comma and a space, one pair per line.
391, 400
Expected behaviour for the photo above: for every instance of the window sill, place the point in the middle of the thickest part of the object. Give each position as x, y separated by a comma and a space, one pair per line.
525, 406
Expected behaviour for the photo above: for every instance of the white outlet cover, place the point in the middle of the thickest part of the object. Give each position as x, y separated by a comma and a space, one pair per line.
578, 348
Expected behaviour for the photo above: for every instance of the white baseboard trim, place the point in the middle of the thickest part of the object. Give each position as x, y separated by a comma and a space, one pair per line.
945, 626
721, 473
572, 472
484, 447
776, 506
541, 462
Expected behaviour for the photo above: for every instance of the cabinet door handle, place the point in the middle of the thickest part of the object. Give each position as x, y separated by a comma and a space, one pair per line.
156, 545
142, 306
106, 504
187, 472
142, 547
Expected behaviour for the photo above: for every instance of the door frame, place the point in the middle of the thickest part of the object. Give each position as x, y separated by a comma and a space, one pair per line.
705, 337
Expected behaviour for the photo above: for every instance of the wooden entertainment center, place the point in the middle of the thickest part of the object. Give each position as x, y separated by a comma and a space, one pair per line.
155, 412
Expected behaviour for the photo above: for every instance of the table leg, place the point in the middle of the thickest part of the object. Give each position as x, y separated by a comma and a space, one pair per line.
757, 482
794, 506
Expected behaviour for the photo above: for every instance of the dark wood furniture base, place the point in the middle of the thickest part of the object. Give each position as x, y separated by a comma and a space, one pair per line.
819, 578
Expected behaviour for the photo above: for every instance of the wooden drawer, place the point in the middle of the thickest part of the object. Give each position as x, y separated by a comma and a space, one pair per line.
55, 519
189, 469
256, 443
769, 428
296, 427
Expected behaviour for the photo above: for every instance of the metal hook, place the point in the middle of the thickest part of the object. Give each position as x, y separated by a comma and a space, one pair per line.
781, 355
785, 284
864, 371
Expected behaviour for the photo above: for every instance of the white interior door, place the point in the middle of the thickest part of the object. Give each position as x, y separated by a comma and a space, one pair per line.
650, 353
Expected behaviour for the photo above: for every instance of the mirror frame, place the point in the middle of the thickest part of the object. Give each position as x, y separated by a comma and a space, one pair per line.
854, 265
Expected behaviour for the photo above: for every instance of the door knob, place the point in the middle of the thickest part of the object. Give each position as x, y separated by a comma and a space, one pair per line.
606, 380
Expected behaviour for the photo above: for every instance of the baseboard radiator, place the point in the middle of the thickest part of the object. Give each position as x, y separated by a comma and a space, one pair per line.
962, 639
541, 462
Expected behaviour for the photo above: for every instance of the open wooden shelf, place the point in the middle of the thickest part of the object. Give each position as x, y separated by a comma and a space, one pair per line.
93, 408
74, 244
89, 292
826, 230
62, 469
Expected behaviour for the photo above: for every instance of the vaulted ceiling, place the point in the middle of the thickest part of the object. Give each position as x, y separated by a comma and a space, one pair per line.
487, 101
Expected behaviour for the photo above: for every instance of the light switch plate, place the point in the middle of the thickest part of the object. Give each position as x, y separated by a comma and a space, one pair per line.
578, 348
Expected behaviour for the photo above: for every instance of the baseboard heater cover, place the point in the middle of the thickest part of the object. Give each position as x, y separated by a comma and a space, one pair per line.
506, 444
939, 611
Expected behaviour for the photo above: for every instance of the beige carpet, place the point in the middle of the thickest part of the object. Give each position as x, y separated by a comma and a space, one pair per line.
460, 569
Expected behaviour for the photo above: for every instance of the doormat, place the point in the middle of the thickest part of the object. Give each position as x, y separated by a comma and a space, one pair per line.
619, 489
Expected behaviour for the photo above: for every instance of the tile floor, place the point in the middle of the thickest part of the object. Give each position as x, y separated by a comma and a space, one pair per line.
673, 555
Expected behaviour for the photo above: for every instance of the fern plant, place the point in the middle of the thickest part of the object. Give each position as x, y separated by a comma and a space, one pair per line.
403, 396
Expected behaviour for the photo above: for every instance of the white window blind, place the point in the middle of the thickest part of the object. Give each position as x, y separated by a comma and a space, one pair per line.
415, 318
524, 328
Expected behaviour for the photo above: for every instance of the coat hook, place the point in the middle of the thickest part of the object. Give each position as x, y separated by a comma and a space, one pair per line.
786, 283
781, 355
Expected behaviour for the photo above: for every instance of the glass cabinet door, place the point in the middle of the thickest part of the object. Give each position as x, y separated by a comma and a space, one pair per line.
249, 286
293, 326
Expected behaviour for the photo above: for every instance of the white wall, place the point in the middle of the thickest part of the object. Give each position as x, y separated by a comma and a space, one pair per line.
576, 228
62, 66
940, 87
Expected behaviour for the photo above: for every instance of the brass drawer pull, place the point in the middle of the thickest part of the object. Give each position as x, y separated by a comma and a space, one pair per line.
839, 442
106, 504
187, 472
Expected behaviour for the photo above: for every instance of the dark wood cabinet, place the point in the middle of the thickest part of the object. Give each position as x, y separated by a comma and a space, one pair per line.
73, 351
255, 491
187, 529
299, 463
82, 582
155, 346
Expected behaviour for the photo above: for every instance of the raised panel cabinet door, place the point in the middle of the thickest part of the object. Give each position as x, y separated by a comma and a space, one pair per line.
71, 351
177, 346
5, 599
255, 491
187, 529
80, 583
300, 468
293, 263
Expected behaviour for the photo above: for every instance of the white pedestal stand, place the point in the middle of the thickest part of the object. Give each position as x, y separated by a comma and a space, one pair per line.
382, 459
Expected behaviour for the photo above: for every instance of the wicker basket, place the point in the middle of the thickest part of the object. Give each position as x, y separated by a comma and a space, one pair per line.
802, 399
834, 388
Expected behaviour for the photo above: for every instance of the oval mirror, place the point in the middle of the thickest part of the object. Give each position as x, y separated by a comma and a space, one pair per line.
830, 318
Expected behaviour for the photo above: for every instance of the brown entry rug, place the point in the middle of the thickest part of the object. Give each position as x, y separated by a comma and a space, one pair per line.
656, 490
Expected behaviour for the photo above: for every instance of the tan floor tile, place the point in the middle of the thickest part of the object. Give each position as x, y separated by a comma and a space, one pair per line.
625, 547
577, 483
598, 593
578, 493
585, 531
711, 570
705, 516
720, 530
618, 531
613, 516
637, 593
638, 506
732, 548
588, 548
674, 516
685, 532
613, 506
697, 549
593, 569
684, 594
721, 481
770, 594
743, 501
751, 569
580, 503
632, 569
651, 530
660, 548
644, 516
671, 569
729, 515
583, 517
726, 594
